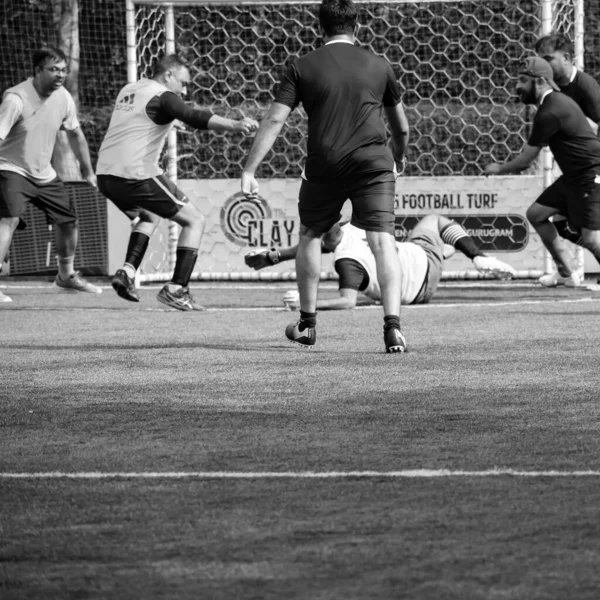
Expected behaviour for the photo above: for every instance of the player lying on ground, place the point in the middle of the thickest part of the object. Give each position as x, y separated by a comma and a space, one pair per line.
421, 257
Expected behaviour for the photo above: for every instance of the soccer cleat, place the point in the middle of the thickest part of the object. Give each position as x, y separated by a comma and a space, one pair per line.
492, 266
124, 286
305, 338
180, 299
554, 279
76, 283
5, 298
394, 341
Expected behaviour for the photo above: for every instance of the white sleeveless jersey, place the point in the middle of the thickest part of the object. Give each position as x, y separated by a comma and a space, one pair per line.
413, 262
132, 145
28, 146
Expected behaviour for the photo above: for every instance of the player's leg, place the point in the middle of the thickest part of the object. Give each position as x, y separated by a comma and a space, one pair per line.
319, 208
373, 211
13, 200
53, 200
176, 292
553, 201
127, 195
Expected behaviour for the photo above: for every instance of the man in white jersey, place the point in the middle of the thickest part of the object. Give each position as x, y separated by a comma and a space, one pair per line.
421, 257
31, 114
129, 174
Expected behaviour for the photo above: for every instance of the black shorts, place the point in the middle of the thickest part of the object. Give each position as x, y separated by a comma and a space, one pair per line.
51, 198
372, 200
580, 206
158, 195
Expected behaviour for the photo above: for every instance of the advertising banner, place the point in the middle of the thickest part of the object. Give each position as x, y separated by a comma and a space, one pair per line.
492, 210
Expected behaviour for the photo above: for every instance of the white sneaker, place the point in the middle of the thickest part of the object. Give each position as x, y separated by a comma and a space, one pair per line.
5, 298
554, 279
492, 266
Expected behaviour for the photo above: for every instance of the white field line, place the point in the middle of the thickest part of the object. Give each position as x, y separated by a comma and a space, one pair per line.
404, 474
283, 309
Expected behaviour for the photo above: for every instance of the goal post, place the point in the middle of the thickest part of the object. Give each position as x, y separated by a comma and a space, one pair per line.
455, 61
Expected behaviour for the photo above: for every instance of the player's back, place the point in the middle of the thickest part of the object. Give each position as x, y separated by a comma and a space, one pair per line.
572, 141
343, 89
585, 91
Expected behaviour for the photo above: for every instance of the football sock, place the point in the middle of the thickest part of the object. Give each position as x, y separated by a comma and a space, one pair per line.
391, 322
307, 320
455, 235
130, 270
186, 259
136, 249
565, 231
65, 266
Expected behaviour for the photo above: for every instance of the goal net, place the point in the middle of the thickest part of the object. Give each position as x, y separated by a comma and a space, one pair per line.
454, 59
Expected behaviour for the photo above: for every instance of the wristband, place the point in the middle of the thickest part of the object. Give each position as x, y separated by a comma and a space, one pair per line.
273, 260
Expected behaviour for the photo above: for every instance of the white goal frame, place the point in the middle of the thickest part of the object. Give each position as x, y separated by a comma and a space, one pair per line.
549, 11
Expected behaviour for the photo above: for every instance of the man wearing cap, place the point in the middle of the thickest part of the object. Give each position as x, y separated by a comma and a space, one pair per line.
560, 124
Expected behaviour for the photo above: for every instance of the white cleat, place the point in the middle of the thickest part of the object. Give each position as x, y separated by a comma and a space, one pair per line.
554, 279
490, 265
5, 298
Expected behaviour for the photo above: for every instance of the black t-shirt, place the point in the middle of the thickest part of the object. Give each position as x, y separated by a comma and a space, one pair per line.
585, 90
343, 90
560, 124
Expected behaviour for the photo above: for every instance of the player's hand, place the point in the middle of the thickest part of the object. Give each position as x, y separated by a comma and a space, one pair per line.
492, 169
91, 179
249, 186
399, 167
291, 300
247, 125
258, 260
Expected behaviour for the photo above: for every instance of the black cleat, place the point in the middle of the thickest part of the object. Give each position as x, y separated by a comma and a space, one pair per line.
305, 338
394, 341
124, 286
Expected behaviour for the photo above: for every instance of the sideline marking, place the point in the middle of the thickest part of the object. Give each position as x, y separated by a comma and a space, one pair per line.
407, 474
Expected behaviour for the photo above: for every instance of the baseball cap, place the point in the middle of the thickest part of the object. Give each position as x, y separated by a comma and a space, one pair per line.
534, 66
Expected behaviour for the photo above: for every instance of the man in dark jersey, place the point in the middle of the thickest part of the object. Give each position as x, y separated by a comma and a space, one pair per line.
344, 90
558, 51
129, 175
560, 124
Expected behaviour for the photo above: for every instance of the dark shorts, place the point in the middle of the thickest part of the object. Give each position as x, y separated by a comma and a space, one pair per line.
372, 200
158, 195
580, 206
51, 198
432, 244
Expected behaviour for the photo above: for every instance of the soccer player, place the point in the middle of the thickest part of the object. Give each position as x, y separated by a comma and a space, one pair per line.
31, 114
558, 51
560, 124
344, 90
421, 257
129, 174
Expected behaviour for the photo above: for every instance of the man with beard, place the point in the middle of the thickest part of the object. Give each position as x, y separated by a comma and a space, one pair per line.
560, 124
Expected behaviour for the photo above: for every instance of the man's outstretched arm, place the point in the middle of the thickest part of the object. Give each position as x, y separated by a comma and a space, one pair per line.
265, 137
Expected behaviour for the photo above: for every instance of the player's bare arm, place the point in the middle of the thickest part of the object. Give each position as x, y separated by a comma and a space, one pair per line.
265, 137
399, 127
517, 164
245, 125
81, 150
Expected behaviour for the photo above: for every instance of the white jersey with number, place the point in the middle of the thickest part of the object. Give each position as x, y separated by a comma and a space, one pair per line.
28, 127
132, 145
413, 262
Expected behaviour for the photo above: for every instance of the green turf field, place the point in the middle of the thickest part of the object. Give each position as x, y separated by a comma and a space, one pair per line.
148, 453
